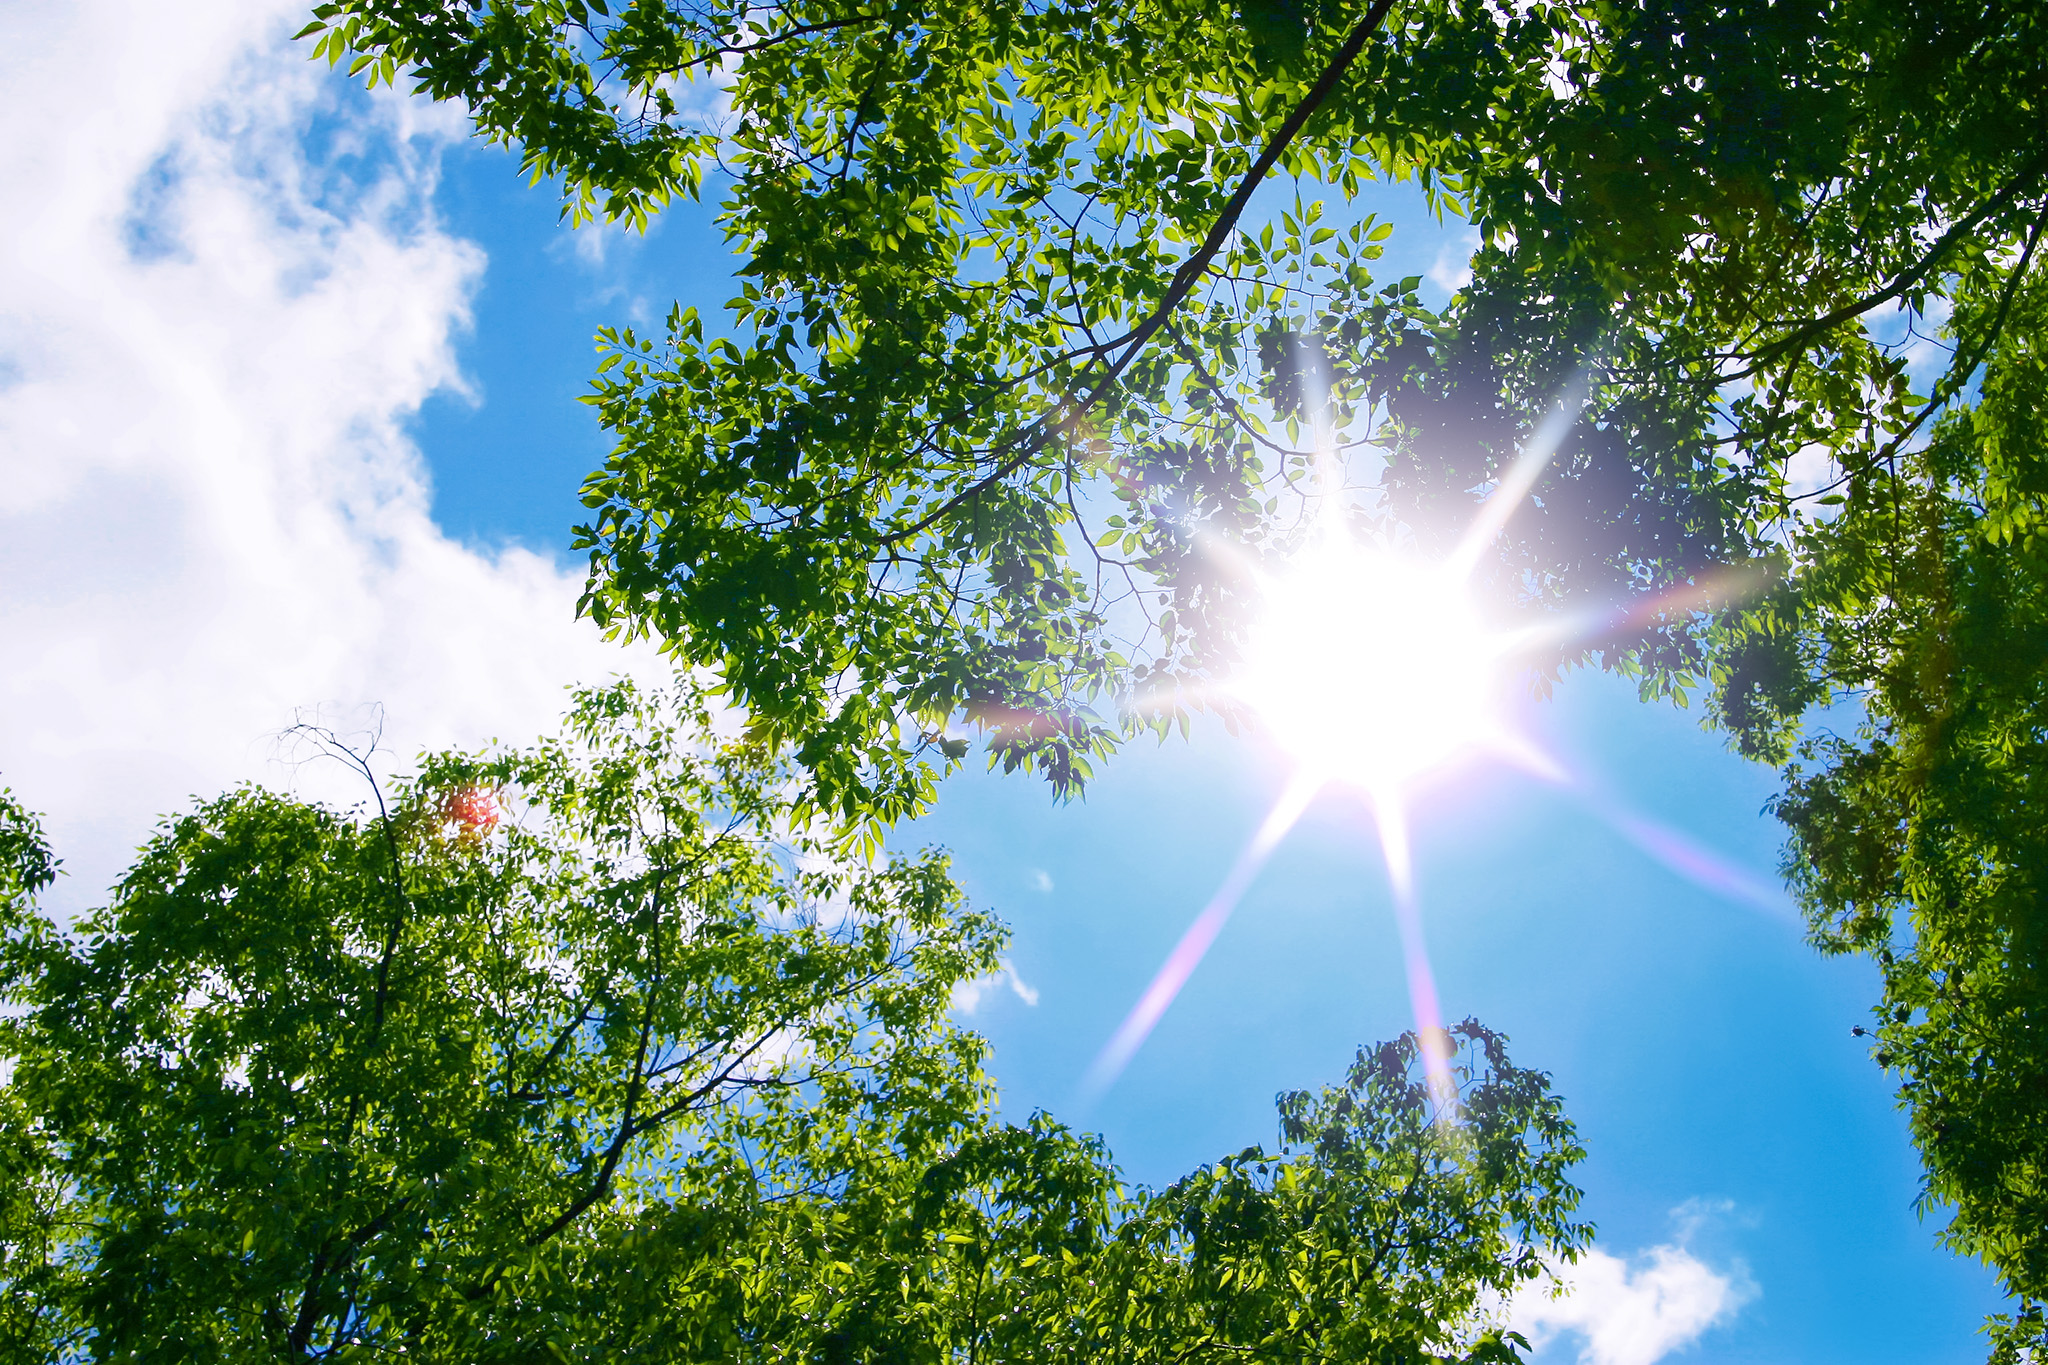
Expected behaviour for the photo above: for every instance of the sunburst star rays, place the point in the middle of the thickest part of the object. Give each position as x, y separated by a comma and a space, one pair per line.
1376, 670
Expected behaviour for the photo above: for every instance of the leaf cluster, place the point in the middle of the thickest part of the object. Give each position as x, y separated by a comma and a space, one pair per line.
592, 1051
1008, 358
1916, 838
322, 1085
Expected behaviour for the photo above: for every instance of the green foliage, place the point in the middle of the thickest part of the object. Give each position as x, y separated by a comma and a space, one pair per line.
34, 1223
586, 1052
1011, 358
319, 1084
1916, 838
1381, 1229
991, 377
1003, 359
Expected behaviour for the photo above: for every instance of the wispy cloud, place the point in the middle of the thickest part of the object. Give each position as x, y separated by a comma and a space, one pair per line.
1452, 269
1637, 1310
225, 293
969, 996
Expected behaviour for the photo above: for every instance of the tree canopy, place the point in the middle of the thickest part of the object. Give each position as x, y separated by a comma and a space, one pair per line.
1007, 347
1916, 831
586, 1052
1014, 352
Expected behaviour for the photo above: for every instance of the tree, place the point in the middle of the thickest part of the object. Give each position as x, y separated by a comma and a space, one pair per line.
1916, 836
1384, 1227
1013, 349
1009, 349
588, 1052
34, 1225
320, 1082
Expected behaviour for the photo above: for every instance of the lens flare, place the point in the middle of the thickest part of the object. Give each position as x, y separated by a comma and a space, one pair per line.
1395, 847
1372, 669
1687, 857
1375, 671
1378, 671
1187, 954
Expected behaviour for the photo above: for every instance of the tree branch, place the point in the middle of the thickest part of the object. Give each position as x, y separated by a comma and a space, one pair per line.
766, 41
1034, 439
1900, 283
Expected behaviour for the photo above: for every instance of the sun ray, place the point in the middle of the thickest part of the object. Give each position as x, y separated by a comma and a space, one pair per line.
1672, 848
1520, 477
1721, 588
1391, 819
1180, 964
1374, 670
1687, 857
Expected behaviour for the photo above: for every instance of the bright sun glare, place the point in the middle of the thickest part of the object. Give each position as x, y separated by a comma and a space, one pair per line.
1376, 669
1371, 668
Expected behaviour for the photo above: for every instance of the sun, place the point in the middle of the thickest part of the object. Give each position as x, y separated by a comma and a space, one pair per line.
1372, 668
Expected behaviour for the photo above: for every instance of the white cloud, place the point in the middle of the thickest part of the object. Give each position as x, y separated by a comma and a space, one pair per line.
1041, 880
1452, 269
1811, 469
210, 515
1019, 987
968, 996
1634, 1311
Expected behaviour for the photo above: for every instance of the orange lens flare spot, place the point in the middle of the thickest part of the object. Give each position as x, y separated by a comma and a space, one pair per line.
472, 810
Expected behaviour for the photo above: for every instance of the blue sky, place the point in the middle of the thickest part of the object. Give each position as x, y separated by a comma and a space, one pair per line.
288, 420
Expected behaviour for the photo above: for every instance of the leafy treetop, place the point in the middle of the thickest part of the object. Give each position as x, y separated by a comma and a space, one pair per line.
1012, 347
586, 1052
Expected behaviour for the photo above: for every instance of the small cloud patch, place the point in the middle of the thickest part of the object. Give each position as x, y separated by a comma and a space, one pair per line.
968, 996
1638, 1310
1452, 269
